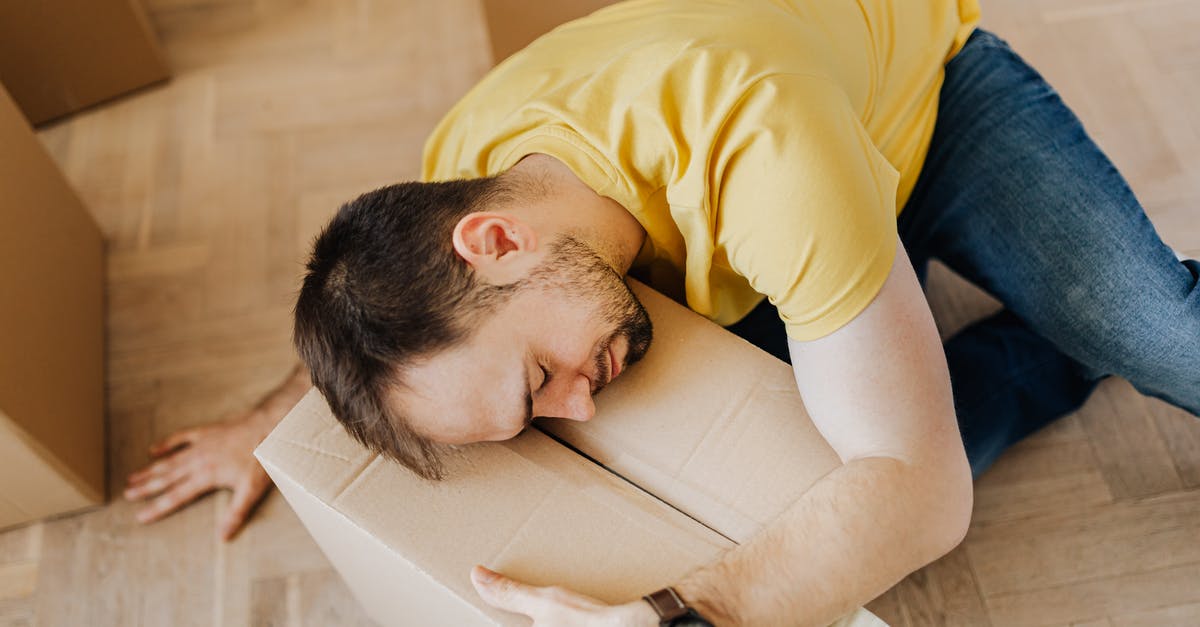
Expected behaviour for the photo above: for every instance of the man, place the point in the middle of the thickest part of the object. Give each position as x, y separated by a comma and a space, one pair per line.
814, 153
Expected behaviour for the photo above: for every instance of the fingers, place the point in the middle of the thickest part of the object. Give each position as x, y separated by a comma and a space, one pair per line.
153, 484
245, 496
145, 473
172, 442
179, 495
508, 594
163, 473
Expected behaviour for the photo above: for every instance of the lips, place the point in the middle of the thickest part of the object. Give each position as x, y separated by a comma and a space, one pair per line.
614, 367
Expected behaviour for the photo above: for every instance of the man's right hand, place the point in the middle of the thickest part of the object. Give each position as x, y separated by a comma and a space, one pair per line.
193, 462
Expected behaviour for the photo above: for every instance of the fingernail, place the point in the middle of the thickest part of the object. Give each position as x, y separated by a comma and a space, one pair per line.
483, 575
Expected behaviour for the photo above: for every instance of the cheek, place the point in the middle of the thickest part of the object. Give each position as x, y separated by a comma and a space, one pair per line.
572, 332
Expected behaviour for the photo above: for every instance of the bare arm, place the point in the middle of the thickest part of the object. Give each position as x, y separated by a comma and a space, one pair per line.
879, 391
193, 462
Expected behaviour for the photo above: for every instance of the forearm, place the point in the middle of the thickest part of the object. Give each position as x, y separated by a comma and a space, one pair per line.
854, 534
280, 400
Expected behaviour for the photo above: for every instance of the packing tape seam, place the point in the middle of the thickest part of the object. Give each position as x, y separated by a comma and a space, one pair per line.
626, 480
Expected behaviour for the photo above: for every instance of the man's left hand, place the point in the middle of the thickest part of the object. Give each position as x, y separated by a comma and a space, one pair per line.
553, 606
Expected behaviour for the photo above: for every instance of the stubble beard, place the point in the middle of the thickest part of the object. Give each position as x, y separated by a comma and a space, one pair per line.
576, 270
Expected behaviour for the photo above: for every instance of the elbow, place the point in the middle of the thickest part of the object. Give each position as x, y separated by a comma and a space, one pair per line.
952, 503
942, 499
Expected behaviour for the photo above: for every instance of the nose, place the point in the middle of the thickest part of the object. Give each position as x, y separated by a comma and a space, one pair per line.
571, 399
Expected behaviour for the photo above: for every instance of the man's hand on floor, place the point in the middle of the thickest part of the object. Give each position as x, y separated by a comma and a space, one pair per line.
194, 462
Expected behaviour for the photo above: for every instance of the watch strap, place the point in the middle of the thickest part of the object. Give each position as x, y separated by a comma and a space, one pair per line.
668, 604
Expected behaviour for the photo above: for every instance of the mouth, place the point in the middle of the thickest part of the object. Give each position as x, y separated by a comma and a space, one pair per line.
614, 368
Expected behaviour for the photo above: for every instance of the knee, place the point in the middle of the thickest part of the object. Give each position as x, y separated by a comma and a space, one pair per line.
1154, 342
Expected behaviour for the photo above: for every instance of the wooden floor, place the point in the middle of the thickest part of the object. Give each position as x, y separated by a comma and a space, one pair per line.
209, 189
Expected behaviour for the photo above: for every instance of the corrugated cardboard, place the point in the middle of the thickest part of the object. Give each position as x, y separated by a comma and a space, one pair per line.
537, 510
51, 335
529, 507
59, 56
512, 24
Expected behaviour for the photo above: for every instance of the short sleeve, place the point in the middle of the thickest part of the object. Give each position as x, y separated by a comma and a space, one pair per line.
804, 204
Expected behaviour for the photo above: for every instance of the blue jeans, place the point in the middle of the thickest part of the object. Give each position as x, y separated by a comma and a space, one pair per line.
1015, 197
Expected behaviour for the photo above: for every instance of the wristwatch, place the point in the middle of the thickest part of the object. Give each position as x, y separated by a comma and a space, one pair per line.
672, 611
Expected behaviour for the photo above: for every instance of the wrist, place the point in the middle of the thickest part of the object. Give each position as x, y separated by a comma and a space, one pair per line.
701, 597
671, 608
260, 421
638, 614
282, 399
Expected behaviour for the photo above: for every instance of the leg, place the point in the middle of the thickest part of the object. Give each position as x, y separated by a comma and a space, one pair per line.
1017, 198
1008, 382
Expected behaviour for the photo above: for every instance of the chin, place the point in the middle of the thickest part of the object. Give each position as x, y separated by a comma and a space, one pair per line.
507, 435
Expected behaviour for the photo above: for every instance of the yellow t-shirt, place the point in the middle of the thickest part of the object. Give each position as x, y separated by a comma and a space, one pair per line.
765, 146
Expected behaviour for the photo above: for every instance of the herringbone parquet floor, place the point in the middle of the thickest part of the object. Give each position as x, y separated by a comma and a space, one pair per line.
209, 189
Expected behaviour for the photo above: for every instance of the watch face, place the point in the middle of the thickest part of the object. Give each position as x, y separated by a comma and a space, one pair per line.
691, 619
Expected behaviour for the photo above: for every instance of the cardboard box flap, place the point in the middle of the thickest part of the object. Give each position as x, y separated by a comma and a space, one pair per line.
58, 56
51, 333
392, 589
529, 507
706, 422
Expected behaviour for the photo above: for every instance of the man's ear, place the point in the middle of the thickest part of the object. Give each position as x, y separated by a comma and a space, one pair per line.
501, 248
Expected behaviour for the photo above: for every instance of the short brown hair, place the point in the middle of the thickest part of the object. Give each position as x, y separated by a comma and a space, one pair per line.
383, 287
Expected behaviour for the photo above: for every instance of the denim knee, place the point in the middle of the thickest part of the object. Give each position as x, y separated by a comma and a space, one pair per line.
1152, 340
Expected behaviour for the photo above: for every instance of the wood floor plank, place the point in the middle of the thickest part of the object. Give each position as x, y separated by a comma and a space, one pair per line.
1181, 433
16, 613
18, 580
1095, 599
280, 544
270, 603
1105, 541
22, 543
1130, 451
325, 600
945, 594
1032, 480
889, 607
1172, 616
158, 262
1103, 622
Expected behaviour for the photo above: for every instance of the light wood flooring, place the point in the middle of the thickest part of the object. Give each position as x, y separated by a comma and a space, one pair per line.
209, 189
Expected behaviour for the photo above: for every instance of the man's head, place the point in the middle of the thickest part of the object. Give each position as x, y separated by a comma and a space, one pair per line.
434, 313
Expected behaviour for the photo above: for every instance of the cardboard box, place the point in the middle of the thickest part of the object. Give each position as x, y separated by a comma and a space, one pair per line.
51, 335
59, 56
714, 442
512, 24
